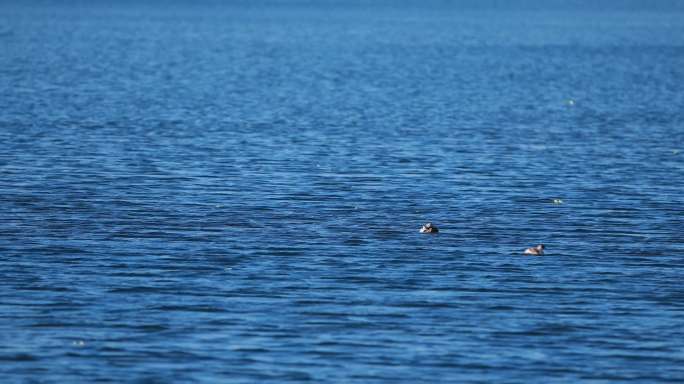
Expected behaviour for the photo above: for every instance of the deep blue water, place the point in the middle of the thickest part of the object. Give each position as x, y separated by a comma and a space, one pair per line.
232, 192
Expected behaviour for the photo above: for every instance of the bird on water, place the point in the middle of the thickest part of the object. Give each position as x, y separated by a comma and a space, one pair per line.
428, 228
536, 251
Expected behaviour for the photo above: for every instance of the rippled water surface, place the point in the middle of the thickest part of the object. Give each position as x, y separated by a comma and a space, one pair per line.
232, 192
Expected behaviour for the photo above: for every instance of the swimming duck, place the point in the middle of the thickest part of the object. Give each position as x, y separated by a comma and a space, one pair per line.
536, 251
428, 228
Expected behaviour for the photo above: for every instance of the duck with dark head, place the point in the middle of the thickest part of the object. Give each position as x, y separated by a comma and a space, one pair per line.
428, 228
535, 251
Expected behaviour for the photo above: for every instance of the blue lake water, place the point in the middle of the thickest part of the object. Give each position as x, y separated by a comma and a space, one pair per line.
232, 192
